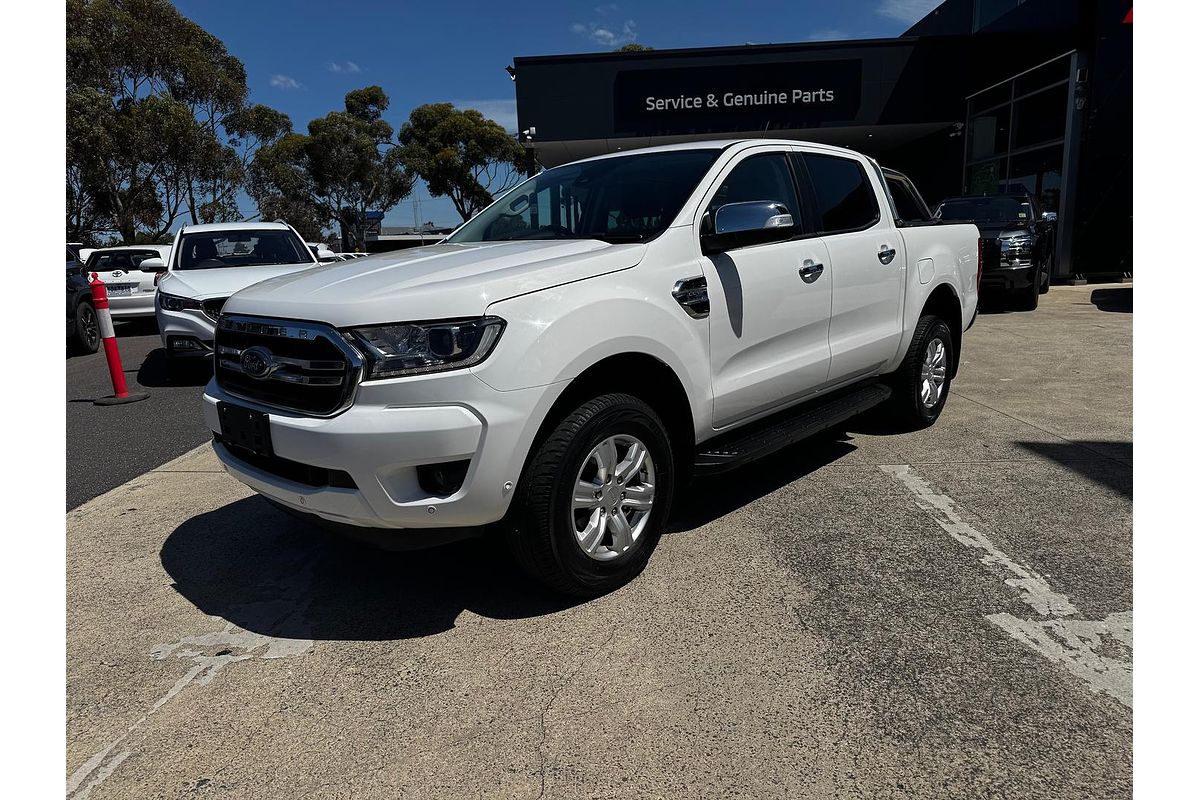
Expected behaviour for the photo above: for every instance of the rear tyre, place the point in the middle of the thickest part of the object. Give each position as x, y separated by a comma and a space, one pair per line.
921, 385
594, 498
87, 329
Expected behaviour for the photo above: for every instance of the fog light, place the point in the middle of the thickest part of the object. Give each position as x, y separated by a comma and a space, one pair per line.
443, 479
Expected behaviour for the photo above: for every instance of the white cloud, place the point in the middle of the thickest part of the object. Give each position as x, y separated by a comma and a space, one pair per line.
284, 82
906, 10
499, 110
610, 33
348, 67
827, 35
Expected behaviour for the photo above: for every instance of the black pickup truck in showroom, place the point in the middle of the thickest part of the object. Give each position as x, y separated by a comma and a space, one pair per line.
1017, 243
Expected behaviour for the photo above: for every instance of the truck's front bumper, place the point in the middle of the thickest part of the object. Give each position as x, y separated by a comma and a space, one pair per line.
364, 466
1007, 278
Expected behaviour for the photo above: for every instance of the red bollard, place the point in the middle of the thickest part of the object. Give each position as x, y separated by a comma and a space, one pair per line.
108, 335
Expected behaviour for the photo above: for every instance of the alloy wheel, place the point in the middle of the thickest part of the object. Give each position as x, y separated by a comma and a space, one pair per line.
613, 497
89, 327
933, 373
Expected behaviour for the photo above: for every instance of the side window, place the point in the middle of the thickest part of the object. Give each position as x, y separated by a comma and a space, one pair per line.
845, 199
762, 177
908, 207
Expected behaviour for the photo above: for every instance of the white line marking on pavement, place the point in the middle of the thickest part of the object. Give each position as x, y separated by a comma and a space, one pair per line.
231, 644
1074, 644
235, 645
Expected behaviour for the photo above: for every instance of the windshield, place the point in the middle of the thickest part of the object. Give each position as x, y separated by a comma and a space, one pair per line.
217, 249
986, 209
625, 199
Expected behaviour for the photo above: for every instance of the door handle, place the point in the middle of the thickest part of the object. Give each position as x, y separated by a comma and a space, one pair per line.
886, 254
811, 270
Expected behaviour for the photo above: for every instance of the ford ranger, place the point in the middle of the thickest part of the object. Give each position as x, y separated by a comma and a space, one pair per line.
558, 367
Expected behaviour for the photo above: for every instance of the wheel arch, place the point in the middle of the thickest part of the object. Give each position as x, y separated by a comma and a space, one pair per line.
944, 302
642, 375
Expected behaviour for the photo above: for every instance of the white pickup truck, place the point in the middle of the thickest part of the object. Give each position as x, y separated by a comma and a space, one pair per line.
559, 366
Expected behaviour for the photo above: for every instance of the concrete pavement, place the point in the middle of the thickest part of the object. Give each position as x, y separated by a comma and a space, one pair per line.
937, 614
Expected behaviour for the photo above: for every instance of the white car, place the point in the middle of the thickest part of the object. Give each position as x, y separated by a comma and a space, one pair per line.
131, 284
322, 252
209, 263
567, 359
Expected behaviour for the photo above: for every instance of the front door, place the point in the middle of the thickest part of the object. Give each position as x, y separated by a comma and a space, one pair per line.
768, 325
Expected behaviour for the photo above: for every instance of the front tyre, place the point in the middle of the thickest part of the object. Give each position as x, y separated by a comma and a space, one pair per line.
921, 385
594, 498
1027, 299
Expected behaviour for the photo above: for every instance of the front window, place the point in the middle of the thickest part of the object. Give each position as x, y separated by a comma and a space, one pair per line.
986, 209
248, 248
623, 199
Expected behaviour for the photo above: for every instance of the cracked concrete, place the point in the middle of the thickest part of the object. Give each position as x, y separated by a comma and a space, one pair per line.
806, 630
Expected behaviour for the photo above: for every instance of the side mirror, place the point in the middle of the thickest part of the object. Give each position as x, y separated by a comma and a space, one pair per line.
153, 265
1050, 216
753, 222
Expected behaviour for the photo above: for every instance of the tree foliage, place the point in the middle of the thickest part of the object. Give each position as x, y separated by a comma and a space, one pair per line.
633, 47
344, 167
158, 125
460, 154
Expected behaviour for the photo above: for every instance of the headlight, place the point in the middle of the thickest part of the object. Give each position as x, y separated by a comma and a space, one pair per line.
171, 302
413, 348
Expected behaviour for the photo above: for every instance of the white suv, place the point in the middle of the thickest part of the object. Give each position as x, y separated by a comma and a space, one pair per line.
207, 264
564, 361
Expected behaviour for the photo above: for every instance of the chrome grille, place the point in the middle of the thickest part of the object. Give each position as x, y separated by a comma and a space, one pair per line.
296, 366
1017, 252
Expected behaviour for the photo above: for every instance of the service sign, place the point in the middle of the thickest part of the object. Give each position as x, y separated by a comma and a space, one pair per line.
745, 97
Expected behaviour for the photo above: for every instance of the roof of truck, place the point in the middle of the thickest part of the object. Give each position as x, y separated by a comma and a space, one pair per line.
234, 226
718, 144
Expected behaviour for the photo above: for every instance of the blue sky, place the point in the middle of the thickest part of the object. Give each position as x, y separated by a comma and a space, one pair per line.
302, 56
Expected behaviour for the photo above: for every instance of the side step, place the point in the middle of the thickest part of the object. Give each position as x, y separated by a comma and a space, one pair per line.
776, 432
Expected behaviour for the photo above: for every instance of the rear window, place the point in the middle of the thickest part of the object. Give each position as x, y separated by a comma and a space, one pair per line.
845, 199
909, 208
244, 248
119, 259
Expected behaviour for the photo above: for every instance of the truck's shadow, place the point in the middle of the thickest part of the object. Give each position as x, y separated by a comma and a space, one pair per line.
266, 572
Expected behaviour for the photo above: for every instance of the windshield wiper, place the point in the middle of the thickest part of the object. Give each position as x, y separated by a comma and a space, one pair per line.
617, 238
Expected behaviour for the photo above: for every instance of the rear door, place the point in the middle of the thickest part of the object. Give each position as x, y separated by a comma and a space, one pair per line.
768, 326
866, 262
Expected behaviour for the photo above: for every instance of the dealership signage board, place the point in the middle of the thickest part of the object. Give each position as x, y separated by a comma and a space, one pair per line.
763, 96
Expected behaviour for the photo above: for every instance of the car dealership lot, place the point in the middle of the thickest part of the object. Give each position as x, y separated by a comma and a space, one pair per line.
943, 613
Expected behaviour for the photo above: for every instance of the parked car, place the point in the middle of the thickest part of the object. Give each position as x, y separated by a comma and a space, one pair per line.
322, 252
130, 287
1018, 243
209, 263
562, 367
83, 329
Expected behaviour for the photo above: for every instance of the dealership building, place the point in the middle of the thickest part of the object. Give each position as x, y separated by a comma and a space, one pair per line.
979, 96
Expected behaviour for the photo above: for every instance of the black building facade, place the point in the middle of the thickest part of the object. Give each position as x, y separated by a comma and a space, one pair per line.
980, 96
